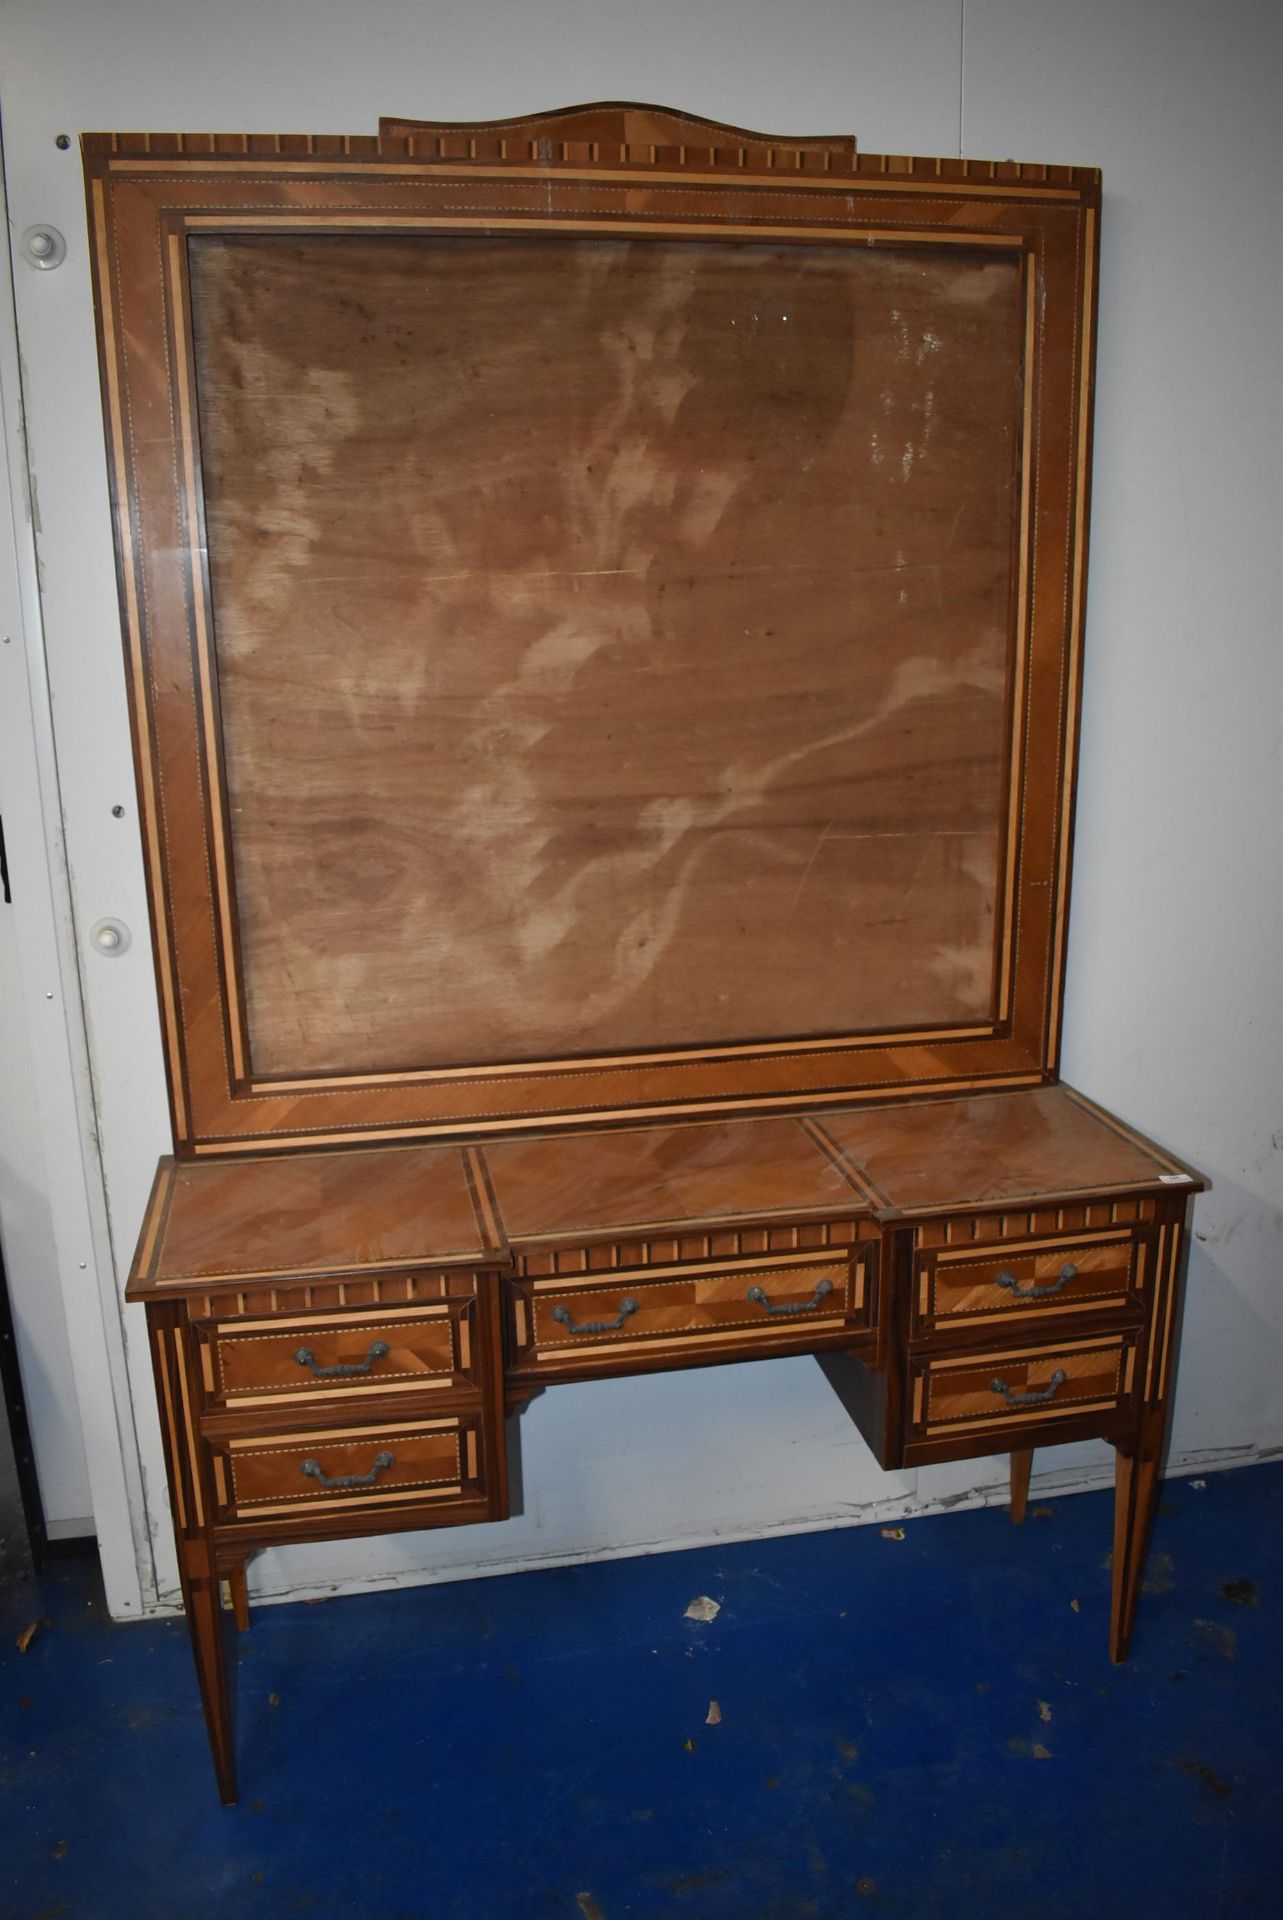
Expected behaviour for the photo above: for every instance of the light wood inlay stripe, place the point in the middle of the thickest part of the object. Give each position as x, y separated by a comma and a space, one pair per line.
317, 1436
553, 1359
612, 1279
947, 1428
193, 1451
1016, 1249
537, 221
314, 1323
352, 1390
1156, 1312
1078, 574
408, 1496
171, 1425
486, 173
225, 1145
969, 1362
484, 1203
156, 1210
1169, 1316
238, 1276
1019, 716
209, 715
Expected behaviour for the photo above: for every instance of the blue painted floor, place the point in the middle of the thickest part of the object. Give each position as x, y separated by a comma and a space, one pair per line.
922, 1727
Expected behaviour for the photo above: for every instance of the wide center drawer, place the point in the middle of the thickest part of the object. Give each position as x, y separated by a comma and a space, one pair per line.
344, 1470
296, 1358
667, 1311
968, 1286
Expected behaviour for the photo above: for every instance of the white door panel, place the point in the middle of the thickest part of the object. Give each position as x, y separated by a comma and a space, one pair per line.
893, 75
890, 74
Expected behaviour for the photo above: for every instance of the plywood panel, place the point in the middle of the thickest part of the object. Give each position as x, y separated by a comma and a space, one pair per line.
613, 638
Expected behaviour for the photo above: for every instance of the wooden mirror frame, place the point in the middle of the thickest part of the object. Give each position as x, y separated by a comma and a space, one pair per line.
601, 170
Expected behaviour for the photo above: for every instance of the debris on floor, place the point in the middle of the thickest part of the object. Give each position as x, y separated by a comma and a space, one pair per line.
702, 1608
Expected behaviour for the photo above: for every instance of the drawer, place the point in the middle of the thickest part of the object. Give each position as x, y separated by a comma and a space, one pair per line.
1018, 1386
288, 1360
667, 1311
331, 1471
1028, 1280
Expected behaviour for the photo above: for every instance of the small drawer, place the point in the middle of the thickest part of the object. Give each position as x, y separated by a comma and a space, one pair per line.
1018, 1386
342, 1470
670, 1310
960, 1287
292, 1359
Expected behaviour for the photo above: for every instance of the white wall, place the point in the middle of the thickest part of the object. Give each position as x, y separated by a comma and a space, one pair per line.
1173, 1015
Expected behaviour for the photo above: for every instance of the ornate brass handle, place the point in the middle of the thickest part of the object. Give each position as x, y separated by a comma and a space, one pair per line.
761, 1298
344, 1369
1004, 1279
315, 1471
1049, 1392
562, 1316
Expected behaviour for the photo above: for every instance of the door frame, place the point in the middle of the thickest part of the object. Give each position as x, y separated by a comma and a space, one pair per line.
51, 1021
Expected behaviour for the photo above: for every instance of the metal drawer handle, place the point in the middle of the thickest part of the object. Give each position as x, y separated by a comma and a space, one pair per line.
562, 1316
315, 1471
760, 1298
344, 1370
1049, 1392
1004, 1279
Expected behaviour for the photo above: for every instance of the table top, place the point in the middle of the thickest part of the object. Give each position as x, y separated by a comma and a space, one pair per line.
367, 1208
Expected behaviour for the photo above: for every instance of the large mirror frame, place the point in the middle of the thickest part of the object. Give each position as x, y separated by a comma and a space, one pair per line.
607, 174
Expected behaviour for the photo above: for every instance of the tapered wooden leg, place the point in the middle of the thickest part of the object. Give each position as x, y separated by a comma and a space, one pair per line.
240, 1598
202, 1599
1135, 1497
1022, 1461
191, 1498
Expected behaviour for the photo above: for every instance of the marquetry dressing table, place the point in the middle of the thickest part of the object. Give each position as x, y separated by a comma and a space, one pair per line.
603, 601
329, 1332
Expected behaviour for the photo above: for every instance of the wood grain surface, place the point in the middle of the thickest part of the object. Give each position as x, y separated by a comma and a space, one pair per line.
613, 638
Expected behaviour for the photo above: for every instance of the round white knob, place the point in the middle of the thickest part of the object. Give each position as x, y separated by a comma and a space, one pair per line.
110, 937
43, 247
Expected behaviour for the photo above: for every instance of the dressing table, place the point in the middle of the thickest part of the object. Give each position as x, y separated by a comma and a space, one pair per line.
603, 603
